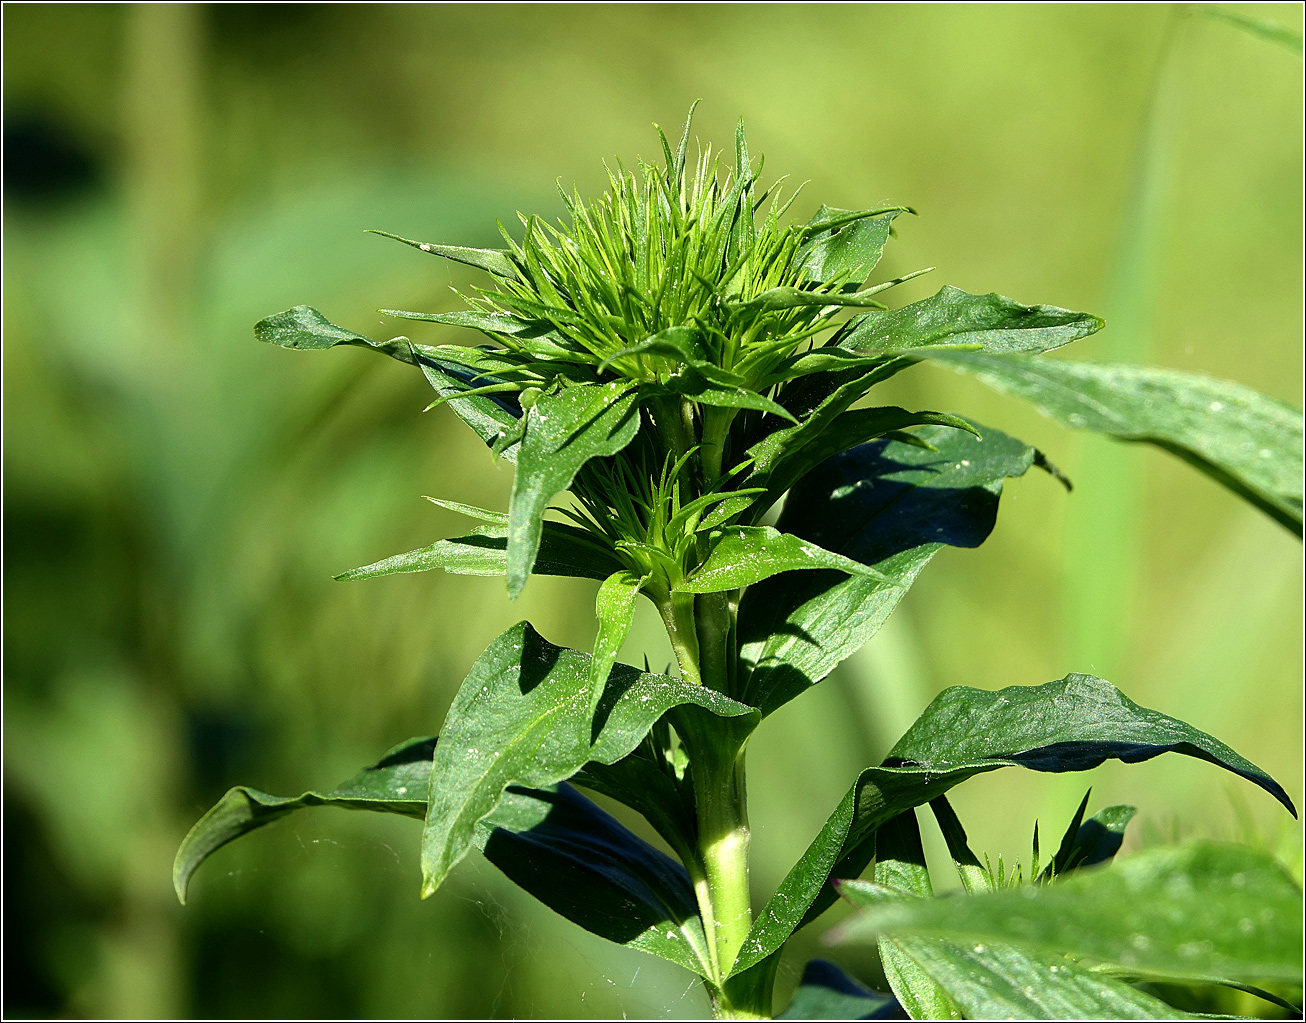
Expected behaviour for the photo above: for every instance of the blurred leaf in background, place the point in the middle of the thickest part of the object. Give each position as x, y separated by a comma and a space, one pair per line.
177, 497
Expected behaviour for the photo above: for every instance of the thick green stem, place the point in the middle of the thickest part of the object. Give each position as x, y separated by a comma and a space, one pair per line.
714, 625
677, 610
716, 428
722, 804
720, 867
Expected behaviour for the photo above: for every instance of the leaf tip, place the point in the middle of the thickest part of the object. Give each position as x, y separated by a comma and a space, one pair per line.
180, 877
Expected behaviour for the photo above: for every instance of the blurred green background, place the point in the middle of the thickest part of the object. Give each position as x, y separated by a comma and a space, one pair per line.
177, 497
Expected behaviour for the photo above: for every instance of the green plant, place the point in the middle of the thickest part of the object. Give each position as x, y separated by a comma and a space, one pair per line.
679, 358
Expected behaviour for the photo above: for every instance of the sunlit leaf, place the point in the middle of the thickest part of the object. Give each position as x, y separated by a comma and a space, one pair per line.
1249, 442
1002, 981
1073, 724
495, 261
955, 318
304, 328
523, 717
845, 244
564, 550
397, 783
900, 865
742, 555
615, 610
563, 432
888, 505
1199, 911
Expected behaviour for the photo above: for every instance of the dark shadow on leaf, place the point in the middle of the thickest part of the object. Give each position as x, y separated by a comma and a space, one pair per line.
538, 658
1084, 756
584, 864
422, 750
470, 377
620, 680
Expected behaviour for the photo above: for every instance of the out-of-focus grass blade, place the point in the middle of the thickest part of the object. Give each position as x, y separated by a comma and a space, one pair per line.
1262, 28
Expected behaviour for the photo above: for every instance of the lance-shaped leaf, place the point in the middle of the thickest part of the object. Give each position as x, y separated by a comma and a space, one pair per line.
487, 323
786, 297
563, 432
494, 261
693, 383
900, 866
397, 783
1199, 912
564, 550
1073, 724
587, 866
553, 842
615, 609
742, 555
826, 992
1001, 981
784, 457
523, 717
845, 244
1087, 843
955, 318
303, 327
1098, 839
1249, 442
939, 979
888, 505
974, 878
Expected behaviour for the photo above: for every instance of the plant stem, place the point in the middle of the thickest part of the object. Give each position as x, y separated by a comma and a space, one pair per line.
677, 611
722, 805
721, 809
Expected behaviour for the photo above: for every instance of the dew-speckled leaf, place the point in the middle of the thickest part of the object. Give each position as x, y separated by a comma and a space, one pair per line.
304, 328
564, 550
522, 717
955, 318
992, 980
826, 992
845, 244
563, 432
889, 505
1247, 441
742, 555
615, 609
1073, 724
1201, 911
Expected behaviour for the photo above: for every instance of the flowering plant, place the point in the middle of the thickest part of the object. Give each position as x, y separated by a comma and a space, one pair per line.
680, 358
